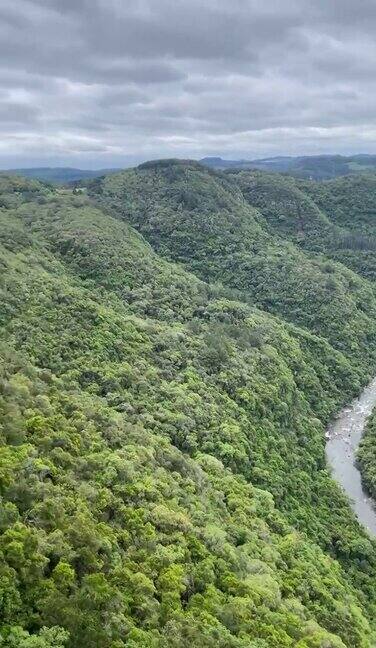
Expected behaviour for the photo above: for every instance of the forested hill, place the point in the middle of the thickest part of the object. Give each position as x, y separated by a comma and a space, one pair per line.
335, 218
171, 352
207, 221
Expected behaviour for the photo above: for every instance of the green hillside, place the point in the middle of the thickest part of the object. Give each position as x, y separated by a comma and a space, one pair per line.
336, 218
367, 456
200, 218
162, 471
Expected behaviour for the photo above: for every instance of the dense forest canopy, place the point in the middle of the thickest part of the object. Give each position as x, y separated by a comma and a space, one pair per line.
173, 343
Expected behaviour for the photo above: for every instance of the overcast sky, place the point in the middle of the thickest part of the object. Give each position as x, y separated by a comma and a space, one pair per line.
108, 82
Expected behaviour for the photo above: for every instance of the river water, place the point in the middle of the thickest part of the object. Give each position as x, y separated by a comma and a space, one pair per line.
343, 436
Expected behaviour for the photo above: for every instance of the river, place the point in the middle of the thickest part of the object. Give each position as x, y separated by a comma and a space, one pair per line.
344, 435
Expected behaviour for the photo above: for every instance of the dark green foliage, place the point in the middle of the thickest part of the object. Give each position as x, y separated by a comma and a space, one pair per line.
350, 205
162, 468
367, 456
335, 218
200, 218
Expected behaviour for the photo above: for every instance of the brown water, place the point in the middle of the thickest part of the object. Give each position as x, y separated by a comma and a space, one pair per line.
344, 435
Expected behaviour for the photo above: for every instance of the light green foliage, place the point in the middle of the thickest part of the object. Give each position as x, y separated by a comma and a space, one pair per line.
162, 468
16, 637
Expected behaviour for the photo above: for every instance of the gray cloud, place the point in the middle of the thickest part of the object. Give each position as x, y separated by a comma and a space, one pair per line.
101, 82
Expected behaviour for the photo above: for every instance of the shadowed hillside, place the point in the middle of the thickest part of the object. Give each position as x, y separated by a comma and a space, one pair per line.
335, 218
201, 219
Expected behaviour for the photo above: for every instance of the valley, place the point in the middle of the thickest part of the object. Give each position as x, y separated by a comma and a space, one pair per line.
174, 343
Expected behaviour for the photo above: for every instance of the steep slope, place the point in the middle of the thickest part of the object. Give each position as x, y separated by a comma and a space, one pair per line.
288, 210
265, 374
350, 203
200, 218
137, 405
335, 218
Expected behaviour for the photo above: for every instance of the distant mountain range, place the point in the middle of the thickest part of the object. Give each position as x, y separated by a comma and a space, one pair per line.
59, 175
317, 167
